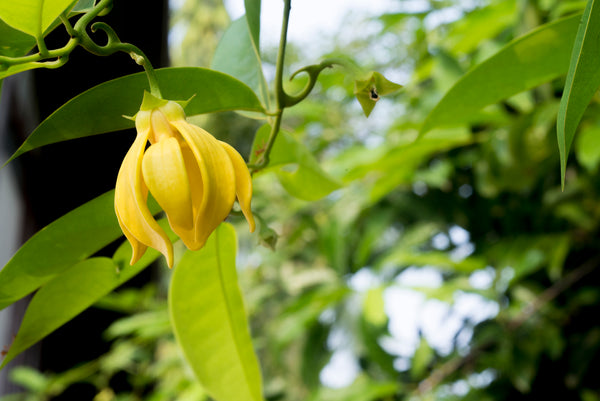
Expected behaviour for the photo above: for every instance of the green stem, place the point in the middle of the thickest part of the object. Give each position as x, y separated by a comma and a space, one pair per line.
280, 95
140, 58
279, 92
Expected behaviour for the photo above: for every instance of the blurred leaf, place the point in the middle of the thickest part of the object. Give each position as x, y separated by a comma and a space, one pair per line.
71, 292
316, 354
58, 246
363, 389
101, 108
32, 16
482, 24
583, 79
587, 147
303, 311
441, 260
421, 359
525, 63
374, 307
146, 325
209, 320
29, 378
296, 168
527, 254
237, 56
387, 167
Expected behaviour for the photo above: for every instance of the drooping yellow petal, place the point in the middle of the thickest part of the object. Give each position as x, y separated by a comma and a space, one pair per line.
138, 249
130, 198
218, 180
188, 234
166, 178
243, 183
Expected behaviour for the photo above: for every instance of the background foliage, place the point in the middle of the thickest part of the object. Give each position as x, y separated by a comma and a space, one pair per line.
447, 267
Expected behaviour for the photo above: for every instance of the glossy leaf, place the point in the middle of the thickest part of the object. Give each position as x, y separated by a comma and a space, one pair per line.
74, 290
583, 79
101, 108
209, 320
296, 168
32, 16
64, 242
525, 63
236, 55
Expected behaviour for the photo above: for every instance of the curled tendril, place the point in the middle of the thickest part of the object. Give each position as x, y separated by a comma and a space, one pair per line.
313, 72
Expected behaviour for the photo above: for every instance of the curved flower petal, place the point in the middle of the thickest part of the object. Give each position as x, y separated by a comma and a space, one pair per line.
243, 183
188, 233
138, 249
130, 199
218, 179
165, 176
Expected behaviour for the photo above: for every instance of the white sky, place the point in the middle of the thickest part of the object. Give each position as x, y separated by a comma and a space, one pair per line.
315, 16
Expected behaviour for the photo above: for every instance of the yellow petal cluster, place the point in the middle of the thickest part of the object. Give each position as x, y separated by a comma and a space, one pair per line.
194, 177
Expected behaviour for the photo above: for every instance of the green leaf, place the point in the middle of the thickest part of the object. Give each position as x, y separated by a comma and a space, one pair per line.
209, 320
83, 6
253, 18
14, 43
237, 56
73, 291
64, 242
583, 79
525, 63
296, 168
101, 108
32, 16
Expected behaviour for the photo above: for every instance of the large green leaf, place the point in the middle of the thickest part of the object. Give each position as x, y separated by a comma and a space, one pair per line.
101, 108
66, 241
209, 320
237, 56
32, 16
525, 63
297, 169
583, 79
73, 291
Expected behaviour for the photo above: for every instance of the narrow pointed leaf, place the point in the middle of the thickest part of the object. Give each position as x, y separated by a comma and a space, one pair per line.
101, 108
72, 292
64, 242
583, 79
209, 320
524, 63
253, 19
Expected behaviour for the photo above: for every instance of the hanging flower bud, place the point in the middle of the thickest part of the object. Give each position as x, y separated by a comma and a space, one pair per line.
194, 177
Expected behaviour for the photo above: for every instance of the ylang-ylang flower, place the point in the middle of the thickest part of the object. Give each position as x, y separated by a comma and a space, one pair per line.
194, 177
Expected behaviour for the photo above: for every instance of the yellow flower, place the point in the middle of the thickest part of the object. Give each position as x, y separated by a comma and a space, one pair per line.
194, 178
